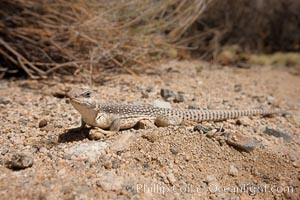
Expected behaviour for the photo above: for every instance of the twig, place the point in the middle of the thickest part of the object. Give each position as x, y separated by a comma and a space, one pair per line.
19, 58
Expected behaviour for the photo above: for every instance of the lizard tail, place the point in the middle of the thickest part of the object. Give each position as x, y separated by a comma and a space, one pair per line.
219, 115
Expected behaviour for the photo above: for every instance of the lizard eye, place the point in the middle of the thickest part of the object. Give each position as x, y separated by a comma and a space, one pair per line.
87, 94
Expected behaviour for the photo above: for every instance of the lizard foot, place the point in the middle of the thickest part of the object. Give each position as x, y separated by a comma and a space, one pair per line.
97, 134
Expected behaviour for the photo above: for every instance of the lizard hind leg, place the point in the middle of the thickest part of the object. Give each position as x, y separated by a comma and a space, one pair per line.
115, 125
163, 121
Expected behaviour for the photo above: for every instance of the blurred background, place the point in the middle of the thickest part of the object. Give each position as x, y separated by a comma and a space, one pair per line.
39, 39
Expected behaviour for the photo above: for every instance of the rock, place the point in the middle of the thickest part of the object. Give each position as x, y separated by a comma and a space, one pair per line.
237, 87
151, 137
161, 104
211, 133
4, 151
115, 164
179, 98
242, 142
174, 150
4, 100
111, 182
145, 94
171, 178
122, 142
90, 151
168, 95
244, 120
277, 134
43, 150
146, 165
270, 99
294, 119
107, 164
3, 85
260, 99
201, 128
210, 179
233, 171
296, 163
194, 107
43, 123
19, 161
291, 195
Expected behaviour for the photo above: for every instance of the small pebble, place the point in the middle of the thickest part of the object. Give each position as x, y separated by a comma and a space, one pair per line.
211, 133
168, 95
146, 165
90, 151
122, 142
43, 150
244, 120
201, 128
4, 151
237, 87
179, 98
270, 99
161, 104
296, 163
210, 179
171, 178
174, 150
233, 171
111, 183
242, 142
151, 137
115, 164
4, 100
193, 107
277, 134
145, 94
19, 161
43, 123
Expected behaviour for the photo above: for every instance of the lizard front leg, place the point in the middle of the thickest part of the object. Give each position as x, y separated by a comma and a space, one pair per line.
99, 133
83, 124
163, 121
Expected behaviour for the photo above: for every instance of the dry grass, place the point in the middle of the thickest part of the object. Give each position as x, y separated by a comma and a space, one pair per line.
67, 37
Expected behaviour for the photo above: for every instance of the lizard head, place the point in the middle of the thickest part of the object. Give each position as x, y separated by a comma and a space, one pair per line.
82, 100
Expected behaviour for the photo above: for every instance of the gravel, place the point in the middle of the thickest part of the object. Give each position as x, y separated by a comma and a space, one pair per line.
57, 162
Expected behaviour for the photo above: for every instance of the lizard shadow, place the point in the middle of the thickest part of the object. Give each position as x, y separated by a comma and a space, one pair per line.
74, 134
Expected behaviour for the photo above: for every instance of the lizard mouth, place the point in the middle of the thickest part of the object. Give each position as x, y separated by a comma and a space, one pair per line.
75, 101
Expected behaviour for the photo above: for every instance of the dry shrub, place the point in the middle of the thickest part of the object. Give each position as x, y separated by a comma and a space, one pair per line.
70, 36
65, 37
260, 26
205, 26
40, 37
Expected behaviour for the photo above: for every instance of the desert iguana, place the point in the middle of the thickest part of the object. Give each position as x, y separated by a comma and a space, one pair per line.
110, 117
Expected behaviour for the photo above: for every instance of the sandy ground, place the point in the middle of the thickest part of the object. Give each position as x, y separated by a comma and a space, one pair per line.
41, 158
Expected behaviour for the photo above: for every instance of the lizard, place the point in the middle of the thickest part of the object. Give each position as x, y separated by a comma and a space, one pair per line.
109, 117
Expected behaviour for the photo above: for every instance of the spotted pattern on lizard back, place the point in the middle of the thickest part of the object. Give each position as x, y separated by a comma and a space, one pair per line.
126, 111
